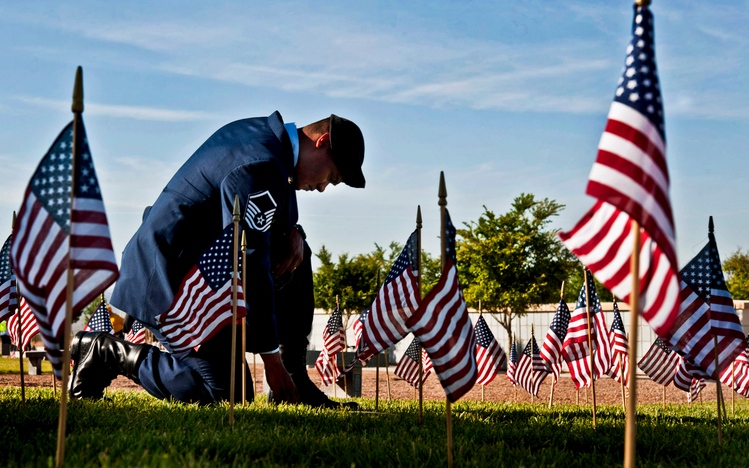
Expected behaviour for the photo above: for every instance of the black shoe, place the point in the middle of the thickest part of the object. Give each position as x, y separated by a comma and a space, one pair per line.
98, 358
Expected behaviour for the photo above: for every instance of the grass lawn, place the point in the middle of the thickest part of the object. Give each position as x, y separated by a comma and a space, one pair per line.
11, 365
134, 429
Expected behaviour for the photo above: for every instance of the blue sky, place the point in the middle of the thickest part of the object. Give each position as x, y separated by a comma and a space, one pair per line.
504, 97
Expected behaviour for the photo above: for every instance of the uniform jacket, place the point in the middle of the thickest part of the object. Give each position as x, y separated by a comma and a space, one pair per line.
250, 158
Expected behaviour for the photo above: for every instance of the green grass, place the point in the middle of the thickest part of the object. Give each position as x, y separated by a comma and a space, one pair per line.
12, 366
134, 429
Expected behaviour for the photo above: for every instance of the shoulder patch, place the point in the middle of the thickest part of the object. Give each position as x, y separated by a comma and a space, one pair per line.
260, 210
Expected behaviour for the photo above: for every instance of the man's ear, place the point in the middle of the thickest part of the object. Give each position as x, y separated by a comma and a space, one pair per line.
323, 141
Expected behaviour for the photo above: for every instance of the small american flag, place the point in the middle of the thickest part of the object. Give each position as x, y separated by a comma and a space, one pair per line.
8, 290
631, 182
620, 349
29, 326
530, 370
362, 353
551, 350
684, 374
694, 389
707, 310
203, 303
396, 301
333, 343
490, 357
512, 363
100, 320
737, 375
49, 237
575, 350
408, 367
442, 325
137, 333
659, 362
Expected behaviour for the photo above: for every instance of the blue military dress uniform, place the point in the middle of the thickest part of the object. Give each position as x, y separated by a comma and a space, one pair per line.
251, 158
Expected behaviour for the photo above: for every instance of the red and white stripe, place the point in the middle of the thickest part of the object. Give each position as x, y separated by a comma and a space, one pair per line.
326, 365
736, 376
408, 369
396, 301
575, 350
620, 359
489, 361
659, 365
442, 326
29, 326
197, 312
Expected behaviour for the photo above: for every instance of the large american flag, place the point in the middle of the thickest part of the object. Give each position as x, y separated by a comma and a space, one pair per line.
29, 326
396, 301
333, 343
551, 349
530, 370
137, 333
49, 236
203, 303
408, 367
631, 182
442, 325
512, 363
490, 357
100, 320
706, 312
575, 349
619, 348
659, 362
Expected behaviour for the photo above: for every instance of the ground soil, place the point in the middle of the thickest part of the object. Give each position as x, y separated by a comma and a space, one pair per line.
500, 389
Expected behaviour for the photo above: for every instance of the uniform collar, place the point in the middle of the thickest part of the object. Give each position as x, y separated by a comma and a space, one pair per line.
294, 137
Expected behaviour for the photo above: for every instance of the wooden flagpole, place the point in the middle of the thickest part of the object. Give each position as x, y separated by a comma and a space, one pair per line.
377, 364
77, 108
718, 392
733, 388
533, 374
621, 376
591, 351
234, 299
664, 397
244, 323
418, 295
343, 363
442, 195
20, 329
514, 386
630, 430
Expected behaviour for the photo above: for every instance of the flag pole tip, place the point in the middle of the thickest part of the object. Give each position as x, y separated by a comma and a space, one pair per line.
710, 225
443, 189
418, 216
244, 240
642, 3
78, 91
237, 211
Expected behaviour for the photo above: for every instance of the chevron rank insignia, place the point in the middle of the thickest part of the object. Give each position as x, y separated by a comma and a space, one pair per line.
260, 210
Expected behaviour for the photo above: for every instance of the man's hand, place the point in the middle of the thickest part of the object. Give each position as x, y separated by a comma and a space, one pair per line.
295, 256
279, 379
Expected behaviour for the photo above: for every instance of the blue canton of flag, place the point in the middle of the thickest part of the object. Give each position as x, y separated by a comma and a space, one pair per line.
100, 320
216, 263
137, 333
638, 87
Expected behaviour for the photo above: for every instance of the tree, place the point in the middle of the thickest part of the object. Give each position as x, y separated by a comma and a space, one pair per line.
513, 261
736, 268
354, 279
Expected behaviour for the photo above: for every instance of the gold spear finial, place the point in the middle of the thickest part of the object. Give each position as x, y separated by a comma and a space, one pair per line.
237, 211
78, 91
244, 242
642, 3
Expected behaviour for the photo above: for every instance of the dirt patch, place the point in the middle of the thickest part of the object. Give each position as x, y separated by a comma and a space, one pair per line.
608, 391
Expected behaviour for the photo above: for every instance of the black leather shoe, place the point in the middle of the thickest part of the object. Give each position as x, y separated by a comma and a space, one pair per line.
98, 358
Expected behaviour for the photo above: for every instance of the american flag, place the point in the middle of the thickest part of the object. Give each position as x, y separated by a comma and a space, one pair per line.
530, 370
203, 303
631, 182
551, 349
29, 326
513, 362
100, 320
48, 234
8, 290
706, 311
619, 347
442, 325
575, 349
333, 343
396, 301
490, 357
737, 375
408, 367
362, 353
685, 372
137, 333
659, 362
694, 389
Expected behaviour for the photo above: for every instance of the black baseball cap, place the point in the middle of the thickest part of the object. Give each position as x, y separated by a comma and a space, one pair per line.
347, 148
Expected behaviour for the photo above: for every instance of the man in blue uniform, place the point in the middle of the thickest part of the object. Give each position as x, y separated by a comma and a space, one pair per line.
263, 161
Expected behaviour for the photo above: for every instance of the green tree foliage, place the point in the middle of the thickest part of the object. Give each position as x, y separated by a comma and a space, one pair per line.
513, 261
736, 269
354, 278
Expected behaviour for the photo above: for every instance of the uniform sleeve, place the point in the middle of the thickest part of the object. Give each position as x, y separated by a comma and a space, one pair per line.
259, 193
